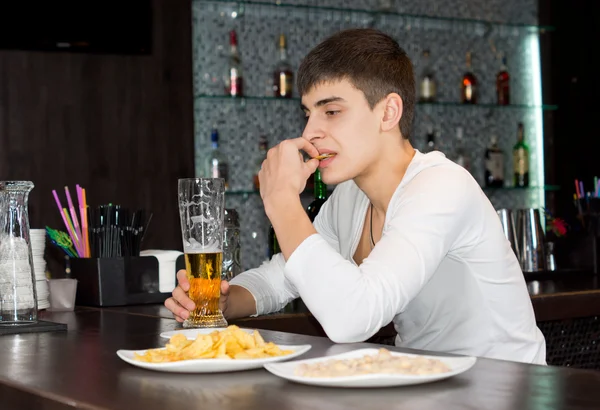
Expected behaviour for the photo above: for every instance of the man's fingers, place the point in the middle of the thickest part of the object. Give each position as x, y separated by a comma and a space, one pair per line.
179, 311
182, 280
183, 299
311, 165
224, 287
302, 144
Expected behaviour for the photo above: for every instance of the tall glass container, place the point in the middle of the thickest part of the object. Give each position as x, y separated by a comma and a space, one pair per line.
18, 299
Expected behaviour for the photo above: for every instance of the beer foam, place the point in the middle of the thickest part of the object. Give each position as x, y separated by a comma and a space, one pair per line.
193, 246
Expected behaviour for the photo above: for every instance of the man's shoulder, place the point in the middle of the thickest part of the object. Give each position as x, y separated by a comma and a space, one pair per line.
443, 175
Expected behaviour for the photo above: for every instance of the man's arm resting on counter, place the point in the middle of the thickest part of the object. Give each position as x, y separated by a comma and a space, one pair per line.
353, 302
240, 303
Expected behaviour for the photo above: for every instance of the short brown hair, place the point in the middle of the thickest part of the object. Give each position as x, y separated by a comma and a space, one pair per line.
371, 60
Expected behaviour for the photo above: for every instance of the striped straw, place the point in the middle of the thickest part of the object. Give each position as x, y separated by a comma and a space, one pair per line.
64, 218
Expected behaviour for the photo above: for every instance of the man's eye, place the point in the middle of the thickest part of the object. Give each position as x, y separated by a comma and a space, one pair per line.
331, 113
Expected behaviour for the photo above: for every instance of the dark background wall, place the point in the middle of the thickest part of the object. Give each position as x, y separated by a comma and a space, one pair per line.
571, 80
572, 138
119, 125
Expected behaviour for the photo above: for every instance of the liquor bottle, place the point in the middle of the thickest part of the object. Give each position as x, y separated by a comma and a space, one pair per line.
461, 156
494, 165
234, 83
503, 84
215, 163
320, 196
427, 84
469, 84
430, 146
262, 154
283, 75
273, 244
521, 159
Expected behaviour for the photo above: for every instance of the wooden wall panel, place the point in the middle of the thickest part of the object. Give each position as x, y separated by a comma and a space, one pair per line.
119, 125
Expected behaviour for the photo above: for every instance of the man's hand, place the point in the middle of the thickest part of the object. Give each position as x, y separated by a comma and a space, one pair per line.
181, 305
284, 172
235, 301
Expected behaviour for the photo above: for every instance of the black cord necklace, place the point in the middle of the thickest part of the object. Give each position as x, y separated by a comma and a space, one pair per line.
371, 227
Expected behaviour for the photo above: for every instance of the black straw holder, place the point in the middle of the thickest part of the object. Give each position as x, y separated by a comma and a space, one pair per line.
119, 281
589, 215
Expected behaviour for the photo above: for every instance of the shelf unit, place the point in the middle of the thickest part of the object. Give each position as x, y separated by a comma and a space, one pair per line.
484, 27
239, 8
226, 99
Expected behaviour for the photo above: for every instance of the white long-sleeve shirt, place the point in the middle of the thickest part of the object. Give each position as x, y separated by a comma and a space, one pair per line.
443, 270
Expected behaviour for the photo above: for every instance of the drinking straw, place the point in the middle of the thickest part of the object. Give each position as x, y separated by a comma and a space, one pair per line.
72, 229
86, 233
62, 241
60, 208
596, 186
74, 220
83, 216
577, 189
581, 190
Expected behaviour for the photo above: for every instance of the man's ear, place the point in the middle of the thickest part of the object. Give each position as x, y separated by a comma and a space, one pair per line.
392, 112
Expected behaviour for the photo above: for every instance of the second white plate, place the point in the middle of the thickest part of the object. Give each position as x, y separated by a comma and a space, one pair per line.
286, 370
192, 333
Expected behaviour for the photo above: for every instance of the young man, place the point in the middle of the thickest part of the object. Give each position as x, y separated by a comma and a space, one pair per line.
405, 236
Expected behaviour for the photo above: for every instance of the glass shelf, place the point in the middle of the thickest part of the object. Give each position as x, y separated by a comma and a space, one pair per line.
514, 188
545, 107
247, 193
243, 100
422, 17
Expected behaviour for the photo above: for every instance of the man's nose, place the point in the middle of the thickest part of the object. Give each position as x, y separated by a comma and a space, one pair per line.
312, 131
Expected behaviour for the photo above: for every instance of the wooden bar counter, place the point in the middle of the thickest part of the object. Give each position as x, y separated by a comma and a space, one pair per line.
567, 309
79, 368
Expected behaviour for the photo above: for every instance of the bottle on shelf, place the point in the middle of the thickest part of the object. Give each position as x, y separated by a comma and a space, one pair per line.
469, 84
234, 82
521, 159
273, 244
263, 147
427, 88
320, 191
215, 163
430, 145
461, 157
283, 75
494, 165
503, 84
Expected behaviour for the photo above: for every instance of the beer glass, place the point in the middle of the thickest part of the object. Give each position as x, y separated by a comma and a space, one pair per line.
201, 211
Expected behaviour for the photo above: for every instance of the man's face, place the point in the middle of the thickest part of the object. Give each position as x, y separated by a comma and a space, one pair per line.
340, 121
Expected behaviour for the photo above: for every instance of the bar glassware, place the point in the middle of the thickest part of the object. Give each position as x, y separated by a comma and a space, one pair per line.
201, 211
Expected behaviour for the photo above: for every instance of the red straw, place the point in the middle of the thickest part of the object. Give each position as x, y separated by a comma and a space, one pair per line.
577, 189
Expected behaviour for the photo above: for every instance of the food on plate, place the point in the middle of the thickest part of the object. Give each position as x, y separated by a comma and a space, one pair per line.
231, 343
324, 156
381, 363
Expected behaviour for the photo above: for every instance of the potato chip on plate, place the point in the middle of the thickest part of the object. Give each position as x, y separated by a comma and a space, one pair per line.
217, 350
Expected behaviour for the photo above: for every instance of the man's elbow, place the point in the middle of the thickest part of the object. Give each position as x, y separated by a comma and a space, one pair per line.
341, 333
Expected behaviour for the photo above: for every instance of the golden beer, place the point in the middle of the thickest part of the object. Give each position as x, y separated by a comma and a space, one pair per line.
204, 274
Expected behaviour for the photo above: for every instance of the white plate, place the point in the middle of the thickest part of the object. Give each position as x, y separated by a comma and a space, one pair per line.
211, 365
286, 371
192, 333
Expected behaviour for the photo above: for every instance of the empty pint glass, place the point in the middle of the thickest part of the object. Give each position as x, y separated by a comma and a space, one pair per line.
201, 210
